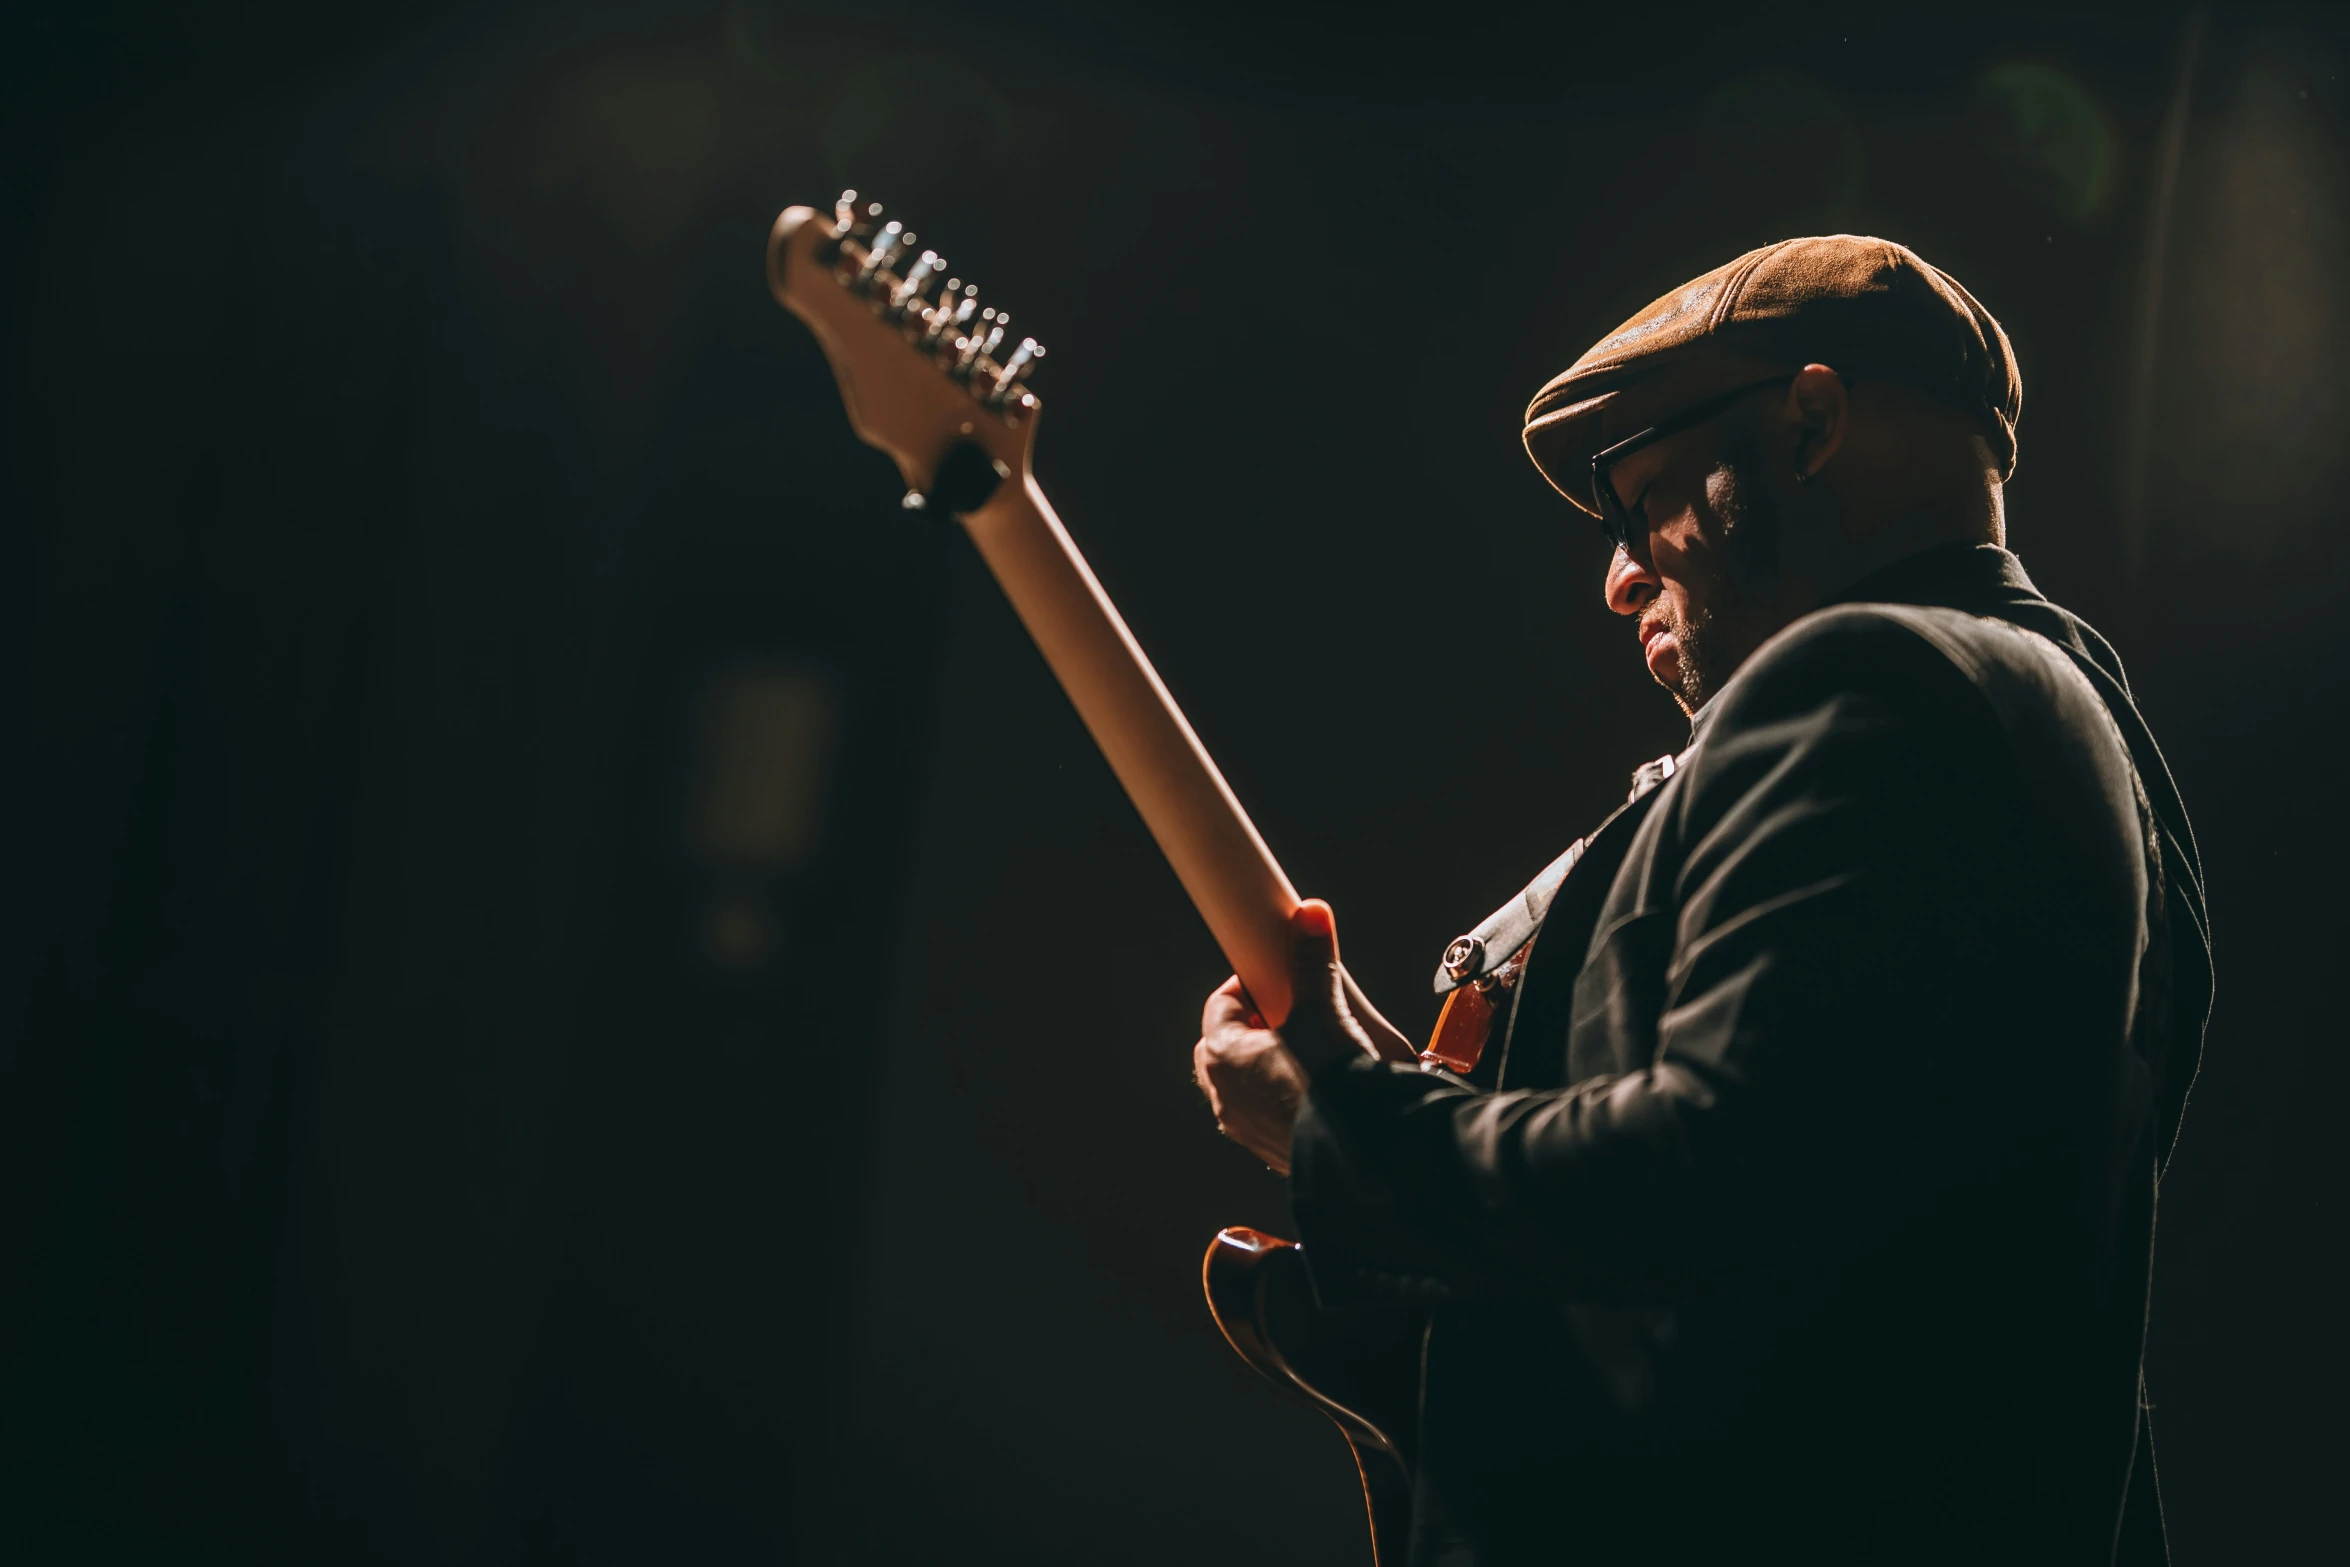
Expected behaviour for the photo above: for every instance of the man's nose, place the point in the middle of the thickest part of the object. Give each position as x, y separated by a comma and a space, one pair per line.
1630, 585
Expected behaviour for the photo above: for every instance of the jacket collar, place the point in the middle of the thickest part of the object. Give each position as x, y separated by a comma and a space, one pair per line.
1983, 578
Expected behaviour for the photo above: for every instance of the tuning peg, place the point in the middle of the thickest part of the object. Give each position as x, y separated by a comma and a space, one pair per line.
886, 244
976, 347
958, 302
1016, 369
918, 277
988, 345
852, 216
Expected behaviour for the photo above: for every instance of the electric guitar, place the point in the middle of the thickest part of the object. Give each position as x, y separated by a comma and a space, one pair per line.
934, 378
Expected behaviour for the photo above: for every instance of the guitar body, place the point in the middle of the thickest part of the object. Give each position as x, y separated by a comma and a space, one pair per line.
1360, 1368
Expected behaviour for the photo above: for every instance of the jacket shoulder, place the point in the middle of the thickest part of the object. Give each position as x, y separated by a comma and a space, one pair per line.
1964, 687
1909, 654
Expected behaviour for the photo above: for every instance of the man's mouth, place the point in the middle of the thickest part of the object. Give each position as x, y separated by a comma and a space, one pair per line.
1662, 650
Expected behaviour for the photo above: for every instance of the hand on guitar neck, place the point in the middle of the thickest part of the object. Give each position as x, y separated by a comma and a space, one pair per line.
1256, 1077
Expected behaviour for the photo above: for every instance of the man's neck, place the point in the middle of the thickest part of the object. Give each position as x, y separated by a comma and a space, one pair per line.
1974, 517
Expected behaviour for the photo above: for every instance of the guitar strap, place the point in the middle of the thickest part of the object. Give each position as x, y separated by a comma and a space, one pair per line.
1480, 971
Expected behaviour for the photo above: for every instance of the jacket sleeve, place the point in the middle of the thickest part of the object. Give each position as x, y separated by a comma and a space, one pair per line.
1843, 880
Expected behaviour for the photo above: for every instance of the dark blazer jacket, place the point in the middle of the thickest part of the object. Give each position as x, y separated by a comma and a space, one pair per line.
1804, 1210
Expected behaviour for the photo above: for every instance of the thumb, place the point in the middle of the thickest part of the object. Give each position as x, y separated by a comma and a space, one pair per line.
1313, 961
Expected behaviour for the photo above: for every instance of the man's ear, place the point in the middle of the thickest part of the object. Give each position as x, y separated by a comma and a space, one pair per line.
1820, 408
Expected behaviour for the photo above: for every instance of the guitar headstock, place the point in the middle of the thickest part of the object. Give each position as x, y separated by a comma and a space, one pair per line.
924, 367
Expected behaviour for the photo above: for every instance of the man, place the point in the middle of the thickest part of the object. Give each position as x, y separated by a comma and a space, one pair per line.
1799, 1206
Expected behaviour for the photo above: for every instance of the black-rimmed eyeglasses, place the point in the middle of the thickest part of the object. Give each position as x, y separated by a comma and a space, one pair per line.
1615, 518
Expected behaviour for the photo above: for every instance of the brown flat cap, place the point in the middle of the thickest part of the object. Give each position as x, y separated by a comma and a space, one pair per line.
1866, 307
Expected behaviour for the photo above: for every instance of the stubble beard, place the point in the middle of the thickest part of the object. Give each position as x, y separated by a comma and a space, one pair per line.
1709, 632
1689, 685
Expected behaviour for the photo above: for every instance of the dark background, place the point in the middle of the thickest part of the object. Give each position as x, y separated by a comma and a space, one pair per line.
579, 995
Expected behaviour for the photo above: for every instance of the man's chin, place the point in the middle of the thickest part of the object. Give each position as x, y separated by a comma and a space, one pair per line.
1663, 651
1667, 667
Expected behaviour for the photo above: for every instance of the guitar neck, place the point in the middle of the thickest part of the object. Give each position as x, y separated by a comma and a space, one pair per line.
1189, 808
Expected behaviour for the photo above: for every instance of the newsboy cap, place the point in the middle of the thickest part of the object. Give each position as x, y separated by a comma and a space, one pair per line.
1866, 307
